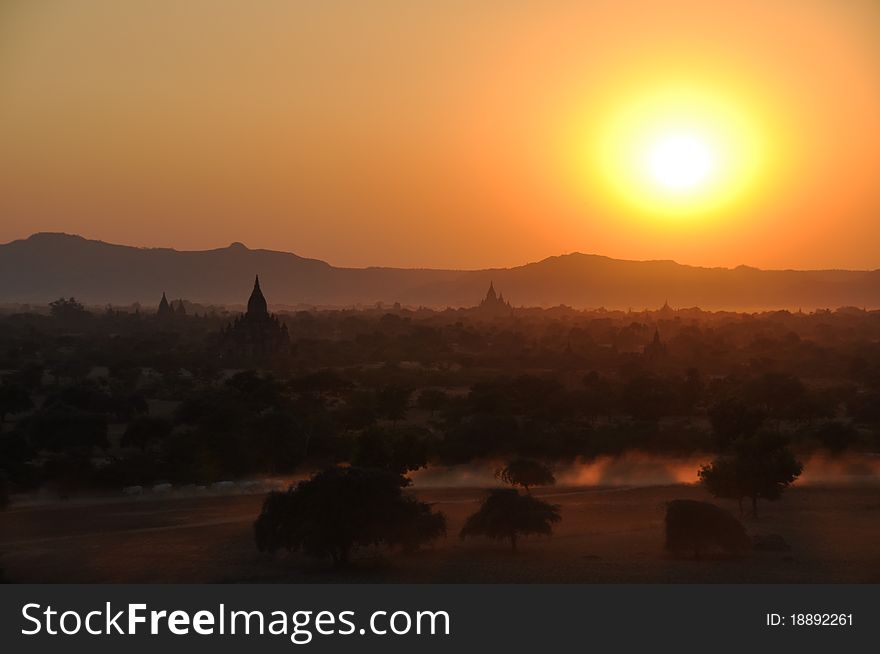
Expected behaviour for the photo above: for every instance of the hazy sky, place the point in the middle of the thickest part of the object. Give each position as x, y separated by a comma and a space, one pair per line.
451, 133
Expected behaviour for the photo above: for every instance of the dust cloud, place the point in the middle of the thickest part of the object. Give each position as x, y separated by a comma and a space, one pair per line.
640, 469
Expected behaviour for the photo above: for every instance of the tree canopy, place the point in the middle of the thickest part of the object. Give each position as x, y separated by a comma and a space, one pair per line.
14, 398
340, 509
506, 514
759, 467
526, 473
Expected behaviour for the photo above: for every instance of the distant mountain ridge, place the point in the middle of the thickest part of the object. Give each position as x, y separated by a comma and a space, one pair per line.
46, 266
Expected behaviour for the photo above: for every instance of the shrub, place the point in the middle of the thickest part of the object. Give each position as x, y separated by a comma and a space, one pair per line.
340, 509
507, 514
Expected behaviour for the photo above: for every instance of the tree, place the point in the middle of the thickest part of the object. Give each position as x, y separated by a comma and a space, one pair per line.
13, 399
126, 373
778, 393
432, 399
145, 431
4, 490
691, 390
758, 467
67, 309
16, 459
836, 436
255, 390
479, 435
60, 427
507, 514
392, 402
340, 509
395, 450
30, 377
525, 473
278, 441
732, 419
646, 397
594, 400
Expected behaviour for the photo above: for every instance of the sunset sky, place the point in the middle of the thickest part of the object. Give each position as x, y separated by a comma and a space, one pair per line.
461, 133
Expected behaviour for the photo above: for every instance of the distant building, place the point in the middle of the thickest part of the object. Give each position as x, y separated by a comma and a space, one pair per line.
656, 349
494, 304
666, 311
257, 334
170, 312
165, 310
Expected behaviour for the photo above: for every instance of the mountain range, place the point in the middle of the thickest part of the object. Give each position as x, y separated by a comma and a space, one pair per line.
46, 266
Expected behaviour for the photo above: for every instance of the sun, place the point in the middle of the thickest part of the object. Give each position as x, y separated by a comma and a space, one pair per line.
680, 162
676, 151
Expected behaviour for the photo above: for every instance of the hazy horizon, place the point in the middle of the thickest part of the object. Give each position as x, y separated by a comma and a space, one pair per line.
306, 255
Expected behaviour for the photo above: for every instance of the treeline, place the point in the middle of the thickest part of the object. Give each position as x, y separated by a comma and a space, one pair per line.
107, 433
117, 399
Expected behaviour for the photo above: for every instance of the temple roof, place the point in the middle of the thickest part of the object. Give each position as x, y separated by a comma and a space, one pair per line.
257, 306
164, 307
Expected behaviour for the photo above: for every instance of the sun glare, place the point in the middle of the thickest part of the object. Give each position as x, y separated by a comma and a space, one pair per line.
676, 152
680, 161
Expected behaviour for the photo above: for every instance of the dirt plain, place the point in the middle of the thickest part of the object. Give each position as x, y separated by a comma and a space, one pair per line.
607, 535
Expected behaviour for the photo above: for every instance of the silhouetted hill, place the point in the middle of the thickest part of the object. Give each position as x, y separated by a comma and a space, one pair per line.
46, 266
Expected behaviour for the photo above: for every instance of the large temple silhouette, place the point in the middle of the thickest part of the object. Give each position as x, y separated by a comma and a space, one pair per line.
494, 304
167, 310
257, 334
656, 349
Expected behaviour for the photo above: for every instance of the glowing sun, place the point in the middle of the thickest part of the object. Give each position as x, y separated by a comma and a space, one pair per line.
679, 151
680, 161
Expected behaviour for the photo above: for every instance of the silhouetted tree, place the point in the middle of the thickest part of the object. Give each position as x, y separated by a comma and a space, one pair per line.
866, 407
392, 402
67, 309
126, 373
732, 419
777, 393
646, 397
836, 436
340, 509
71, 367
395, 450
758, 467
60, 427
526, 473
417, 523
479, 436
278, 441
594, 399
16, 458
256, 390
4, 490
29, 376
322, 382
538, 397
145, 431
86, 396
13, 399
432, 399
507, 514
691, 390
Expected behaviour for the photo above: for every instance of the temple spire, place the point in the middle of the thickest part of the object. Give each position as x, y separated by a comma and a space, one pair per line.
164, 307
257, 306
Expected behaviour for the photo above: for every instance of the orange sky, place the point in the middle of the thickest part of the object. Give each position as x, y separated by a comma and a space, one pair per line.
442, 134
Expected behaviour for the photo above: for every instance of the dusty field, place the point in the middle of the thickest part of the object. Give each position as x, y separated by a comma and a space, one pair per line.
606, 536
